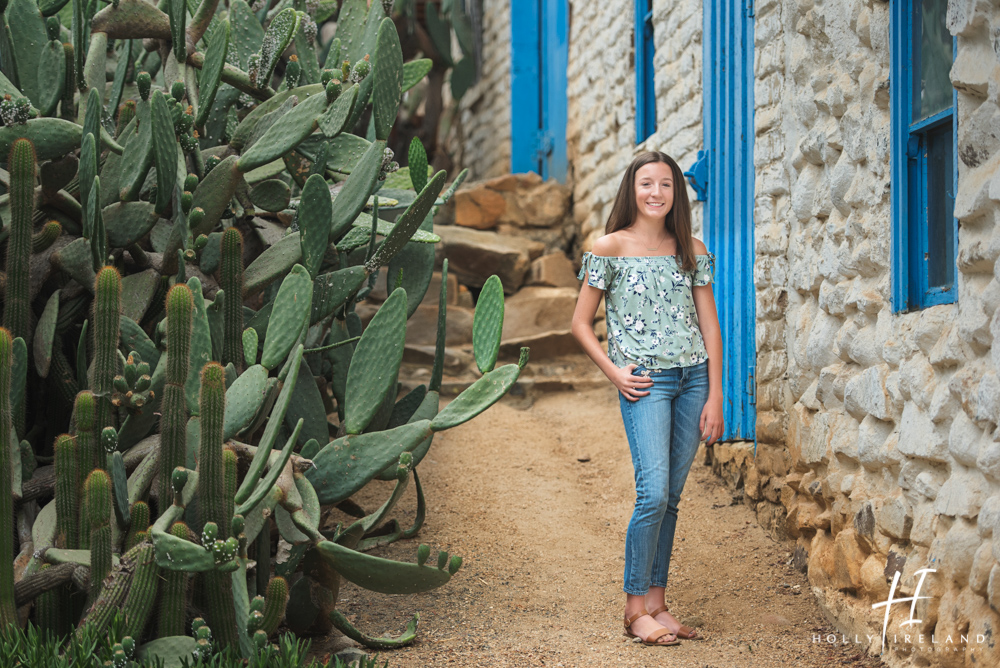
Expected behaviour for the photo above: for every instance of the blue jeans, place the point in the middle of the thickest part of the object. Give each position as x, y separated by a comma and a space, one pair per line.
663, 434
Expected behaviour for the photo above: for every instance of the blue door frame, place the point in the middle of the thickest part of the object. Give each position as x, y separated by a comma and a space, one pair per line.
723, 177
539, 56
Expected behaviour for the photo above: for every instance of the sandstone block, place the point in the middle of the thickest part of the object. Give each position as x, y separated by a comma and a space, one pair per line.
873, 443
848, 558
962, 495
545, 205
989, 517
964, 439
982, 564
988, 460
866, 394
552, 270
533, 310
895, 518
421, 328
920, 437
954, 552
479, 208
872, 577
475, 255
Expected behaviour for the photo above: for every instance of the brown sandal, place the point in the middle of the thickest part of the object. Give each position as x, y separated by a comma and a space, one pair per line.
652, 638
684, 632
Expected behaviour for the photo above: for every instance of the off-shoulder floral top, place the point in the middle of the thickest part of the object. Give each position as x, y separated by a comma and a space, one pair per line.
650, 309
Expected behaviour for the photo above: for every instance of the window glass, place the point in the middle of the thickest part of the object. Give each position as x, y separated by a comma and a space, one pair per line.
932, 62
940, 205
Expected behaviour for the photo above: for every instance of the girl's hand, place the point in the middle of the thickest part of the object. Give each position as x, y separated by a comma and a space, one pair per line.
631, 387
711, 420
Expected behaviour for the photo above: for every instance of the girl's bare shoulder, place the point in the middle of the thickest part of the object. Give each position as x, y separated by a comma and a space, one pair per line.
610, 245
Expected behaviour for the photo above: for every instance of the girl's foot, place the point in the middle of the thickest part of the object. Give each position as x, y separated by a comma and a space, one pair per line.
644, 627
663, 617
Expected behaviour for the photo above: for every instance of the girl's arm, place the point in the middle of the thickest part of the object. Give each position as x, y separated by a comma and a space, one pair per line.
711, 422
632, 387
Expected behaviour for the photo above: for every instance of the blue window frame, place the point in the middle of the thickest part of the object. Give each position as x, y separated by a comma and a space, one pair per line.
645, 92
924, 175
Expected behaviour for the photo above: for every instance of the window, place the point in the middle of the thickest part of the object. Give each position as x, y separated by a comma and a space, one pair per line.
645, 94
923, 175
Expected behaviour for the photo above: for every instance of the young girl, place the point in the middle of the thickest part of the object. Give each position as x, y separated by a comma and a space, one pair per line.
665, 359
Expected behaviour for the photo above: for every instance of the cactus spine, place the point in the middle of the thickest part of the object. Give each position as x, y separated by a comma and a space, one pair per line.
17, 312
107, 310
173, 595
211, 501
232, 284
67, 491
8, 613
173, 419
97, 489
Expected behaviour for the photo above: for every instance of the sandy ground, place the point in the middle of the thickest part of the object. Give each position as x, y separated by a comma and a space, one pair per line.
542, 536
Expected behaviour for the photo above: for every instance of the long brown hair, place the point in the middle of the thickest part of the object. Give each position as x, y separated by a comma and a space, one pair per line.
678, 220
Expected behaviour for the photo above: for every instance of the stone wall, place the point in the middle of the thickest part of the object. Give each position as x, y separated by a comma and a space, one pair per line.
600, 132
878, 443
481, 137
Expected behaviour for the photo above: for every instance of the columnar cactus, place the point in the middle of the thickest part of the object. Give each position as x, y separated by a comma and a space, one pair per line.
107, 310
173, 593
8, 612
85, 416
97, 491
173, 423
67, 456
232, 284
17, 304
211, 498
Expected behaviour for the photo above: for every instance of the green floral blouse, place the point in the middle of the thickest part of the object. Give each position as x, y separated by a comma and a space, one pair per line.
650, 309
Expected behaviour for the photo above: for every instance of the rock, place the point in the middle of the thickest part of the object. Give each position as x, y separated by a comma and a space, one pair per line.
961, 495
866, 394
456, 360
895, 518
475, 255
378, 293
920, 437
533, 310
478, 207
694, 621
545, 205
544, 346
421, 328
352, 656
982, 563
552, 270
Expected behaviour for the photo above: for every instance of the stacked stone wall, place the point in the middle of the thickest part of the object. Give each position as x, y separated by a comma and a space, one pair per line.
481, 137
601, 129
877, 432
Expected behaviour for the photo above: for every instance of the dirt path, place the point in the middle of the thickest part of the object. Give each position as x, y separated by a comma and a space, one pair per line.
542, 537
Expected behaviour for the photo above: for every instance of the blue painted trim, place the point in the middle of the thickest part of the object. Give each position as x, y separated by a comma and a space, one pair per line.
908, 272
932, 121
697, 175
555, 61
728, 88
525, 92
645, 86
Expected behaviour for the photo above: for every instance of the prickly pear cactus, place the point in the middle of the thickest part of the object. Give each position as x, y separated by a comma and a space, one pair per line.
209, 214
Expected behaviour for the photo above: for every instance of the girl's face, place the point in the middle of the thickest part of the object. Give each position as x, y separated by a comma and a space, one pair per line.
654, 189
